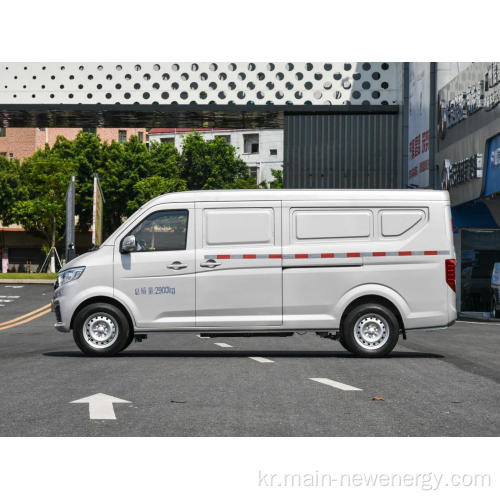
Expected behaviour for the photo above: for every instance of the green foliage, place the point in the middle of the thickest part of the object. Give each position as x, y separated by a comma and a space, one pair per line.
151, 187
213, 164
33, 194
42, 208
12, 188
277, 182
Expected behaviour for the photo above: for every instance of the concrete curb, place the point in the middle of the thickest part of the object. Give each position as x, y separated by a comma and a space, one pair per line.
38, 282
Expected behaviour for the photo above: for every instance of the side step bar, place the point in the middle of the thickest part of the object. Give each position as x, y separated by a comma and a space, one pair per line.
246, 334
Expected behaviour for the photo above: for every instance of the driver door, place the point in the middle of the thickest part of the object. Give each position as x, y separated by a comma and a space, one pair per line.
157, 279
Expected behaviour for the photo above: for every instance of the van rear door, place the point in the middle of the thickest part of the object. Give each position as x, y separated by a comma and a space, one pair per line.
238, 264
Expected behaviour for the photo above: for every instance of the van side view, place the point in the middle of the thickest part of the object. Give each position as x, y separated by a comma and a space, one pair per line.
358, 266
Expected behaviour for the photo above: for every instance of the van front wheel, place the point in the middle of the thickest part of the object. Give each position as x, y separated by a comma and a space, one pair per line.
370, 330
101, 330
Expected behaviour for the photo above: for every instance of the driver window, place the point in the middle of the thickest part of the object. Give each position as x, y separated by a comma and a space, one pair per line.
162, 231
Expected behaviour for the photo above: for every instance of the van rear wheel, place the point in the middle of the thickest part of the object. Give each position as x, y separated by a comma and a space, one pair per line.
370, 330
101, 330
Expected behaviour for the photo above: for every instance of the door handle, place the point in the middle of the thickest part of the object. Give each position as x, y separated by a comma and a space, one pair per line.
177, 265
210, 263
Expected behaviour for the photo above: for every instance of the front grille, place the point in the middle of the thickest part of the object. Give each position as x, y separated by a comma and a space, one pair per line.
57, 310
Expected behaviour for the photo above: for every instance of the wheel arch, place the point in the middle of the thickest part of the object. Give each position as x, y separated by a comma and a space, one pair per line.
377, 299
106, 300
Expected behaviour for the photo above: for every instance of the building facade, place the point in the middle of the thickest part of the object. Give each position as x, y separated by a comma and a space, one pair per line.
468, 166
23, 142
260, 149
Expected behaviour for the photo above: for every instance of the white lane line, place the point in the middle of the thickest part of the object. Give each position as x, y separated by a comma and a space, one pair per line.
6, 300
261, 360
9, 296
222, 344
14, 286
337, 385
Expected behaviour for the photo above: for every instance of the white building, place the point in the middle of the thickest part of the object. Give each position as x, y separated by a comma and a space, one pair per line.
260, 149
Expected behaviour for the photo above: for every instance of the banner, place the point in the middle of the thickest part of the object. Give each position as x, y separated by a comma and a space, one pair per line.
418, 123
97, 212
70, 221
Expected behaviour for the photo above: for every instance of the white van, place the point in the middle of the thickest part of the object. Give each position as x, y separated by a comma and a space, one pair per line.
358, 266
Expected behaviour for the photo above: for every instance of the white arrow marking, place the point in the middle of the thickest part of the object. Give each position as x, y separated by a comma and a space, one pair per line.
101, 406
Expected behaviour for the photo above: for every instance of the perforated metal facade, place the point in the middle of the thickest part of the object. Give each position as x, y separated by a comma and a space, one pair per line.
201, 83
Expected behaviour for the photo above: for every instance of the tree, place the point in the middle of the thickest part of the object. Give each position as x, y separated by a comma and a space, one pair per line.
12, 188
42, 210
213, 164
277, 182
151, 187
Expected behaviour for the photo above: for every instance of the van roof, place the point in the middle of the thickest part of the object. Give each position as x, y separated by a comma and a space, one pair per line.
303, 195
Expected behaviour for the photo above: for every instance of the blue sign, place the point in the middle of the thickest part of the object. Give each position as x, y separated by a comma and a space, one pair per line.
492, 181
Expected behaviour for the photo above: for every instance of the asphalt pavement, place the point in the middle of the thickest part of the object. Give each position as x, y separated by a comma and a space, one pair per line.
438, 383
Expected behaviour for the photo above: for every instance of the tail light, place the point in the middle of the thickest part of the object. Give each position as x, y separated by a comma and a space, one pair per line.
450, 273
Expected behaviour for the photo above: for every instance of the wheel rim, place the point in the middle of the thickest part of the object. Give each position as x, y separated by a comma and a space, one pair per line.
100, 330
371, 331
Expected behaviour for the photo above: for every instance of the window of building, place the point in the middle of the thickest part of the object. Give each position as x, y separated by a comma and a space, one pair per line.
227, 138
167, 140
140, 136
11, 156
2, 131
251, 143
122, 136
162, 231
93, 130
254, 172
273, 152
2, 153
41, 129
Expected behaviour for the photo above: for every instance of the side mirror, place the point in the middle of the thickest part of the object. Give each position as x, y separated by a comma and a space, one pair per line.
128, 244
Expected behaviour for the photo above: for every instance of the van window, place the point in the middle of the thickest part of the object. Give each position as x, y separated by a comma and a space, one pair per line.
239, 226
332, 224
165, 230
398, 222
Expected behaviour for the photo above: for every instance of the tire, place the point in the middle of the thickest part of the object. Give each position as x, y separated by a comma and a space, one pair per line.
343, 344
101, 330
370, 330
129, 341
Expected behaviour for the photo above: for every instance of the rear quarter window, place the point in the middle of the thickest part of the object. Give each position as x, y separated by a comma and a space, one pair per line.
398, 222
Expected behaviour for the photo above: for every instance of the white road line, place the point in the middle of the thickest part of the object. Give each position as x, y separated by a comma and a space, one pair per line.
221, 344
14, 286
337, 385
6, 300
9, 296
261, 360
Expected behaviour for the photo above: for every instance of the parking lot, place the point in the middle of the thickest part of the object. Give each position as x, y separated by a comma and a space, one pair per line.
439, 383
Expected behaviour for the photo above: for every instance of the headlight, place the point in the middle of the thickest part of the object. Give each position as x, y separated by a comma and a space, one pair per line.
69, 275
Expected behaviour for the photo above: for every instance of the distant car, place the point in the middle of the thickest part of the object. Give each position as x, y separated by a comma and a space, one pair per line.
495, 291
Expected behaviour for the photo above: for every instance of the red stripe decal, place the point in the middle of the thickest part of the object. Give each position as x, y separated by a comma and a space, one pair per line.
430, 252
404, 253
379, 254
327, 255
275, 256
223, 256
249, 256
301, 255
353, 254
